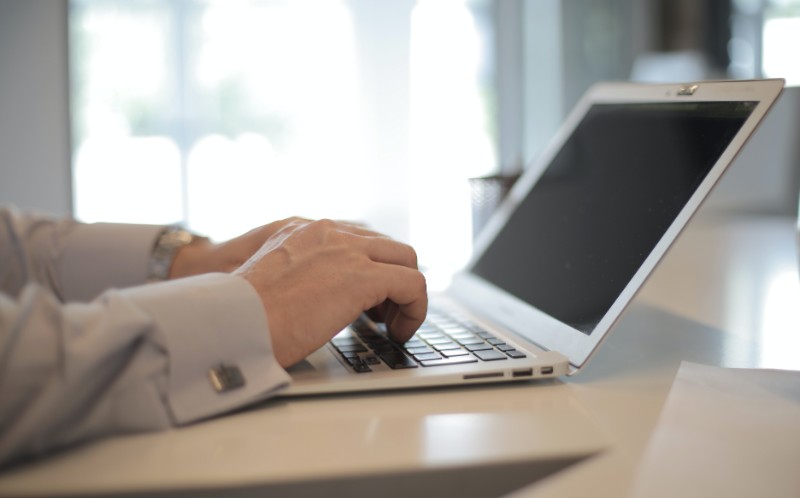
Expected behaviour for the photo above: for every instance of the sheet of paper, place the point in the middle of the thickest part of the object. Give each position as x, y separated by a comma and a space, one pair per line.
725, 432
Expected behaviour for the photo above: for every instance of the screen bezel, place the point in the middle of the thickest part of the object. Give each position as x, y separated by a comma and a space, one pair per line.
544, 330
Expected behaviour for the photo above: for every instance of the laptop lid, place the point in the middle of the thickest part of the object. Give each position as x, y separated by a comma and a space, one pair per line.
589, 220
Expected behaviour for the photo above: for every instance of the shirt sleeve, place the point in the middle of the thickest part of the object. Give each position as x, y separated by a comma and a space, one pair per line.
75, 261
133, 358
99, 256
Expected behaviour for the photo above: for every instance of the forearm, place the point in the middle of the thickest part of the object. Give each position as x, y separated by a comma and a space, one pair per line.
132, 360
74, 261
30, 247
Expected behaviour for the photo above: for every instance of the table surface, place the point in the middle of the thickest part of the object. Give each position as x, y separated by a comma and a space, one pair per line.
733, 282
727, 294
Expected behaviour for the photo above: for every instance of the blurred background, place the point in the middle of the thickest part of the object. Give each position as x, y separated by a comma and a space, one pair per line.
224, 115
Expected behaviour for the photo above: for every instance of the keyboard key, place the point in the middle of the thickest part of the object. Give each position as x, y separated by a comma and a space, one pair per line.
494, 341
473, 340
431, 335
359, 365
478, 347
449, 353
384, 347
454, 328
463, 335
345, 341
446, 346
490, 355
396, 359
372, 360
427, 356
356, 348
372, 337
505, 347
422, 350
439, 340
414, 343
513, 353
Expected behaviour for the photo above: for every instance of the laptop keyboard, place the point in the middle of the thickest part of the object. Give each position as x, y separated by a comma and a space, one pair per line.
442, 340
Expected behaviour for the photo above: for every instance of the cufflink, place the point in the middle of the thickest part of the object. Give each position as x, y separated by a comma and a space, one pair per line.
226, 377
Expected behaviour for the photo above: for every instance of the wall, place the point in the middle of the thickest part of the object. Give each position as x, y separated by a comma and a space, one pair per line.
34, 111
765, 177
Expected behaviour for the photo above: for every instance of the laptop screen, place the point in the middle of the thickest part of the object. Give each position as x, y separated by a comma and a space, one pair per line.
606, 199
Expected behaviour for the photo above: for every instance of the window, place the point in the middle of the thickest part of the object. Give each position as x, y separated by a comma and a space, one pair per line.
764, 36
780, 40
205, 112
450, 137
226, 115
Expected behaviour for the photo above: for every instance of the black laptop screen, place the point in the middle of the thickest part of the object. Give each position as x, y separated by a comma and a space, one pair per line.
575, 241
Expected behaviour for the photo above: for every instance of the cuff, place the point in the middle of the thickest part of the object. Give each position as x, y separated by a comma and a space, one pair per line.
218, 319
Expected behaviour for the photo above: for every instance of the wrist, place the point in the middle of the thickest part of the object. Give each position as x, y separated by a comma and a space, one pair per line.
168, 258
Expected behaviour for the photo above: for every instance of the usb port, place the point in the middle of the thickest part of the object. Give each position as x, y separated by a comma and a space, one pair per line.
547, 370
522, 373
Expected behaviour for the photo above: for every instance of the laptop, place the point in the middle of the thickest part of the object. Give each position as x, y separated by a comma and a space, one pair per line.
567, 250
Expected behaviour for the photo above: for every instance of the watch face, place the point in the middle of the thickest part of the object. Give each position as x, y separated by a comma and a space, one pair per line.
164, 251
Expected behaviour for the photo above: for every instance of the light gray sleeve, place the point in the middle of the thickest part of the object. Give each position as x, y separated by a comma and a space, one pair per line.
76, 261
30, 247
99, 256
132, 359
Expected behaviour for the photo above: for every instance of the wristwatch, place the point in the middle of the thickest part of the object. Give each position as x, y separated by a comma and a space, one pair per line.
164, 250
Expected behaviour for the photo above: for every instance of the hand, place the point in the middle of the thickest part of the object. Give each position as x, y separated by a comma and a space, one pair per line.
204, 256
315, 278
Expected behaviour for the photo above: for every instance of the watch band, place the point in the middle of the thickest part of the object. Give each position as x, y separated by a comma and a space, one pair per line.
164, 250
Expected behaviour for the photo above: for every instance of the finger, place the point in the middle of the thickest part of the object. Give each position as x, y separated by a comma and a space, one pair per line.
353, 227
376, 246
385, 250
404, 320
407, 291
379, 312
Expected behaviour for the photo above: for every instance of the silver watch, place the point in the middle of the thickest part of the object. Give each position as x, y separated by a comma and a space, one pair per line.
168, 243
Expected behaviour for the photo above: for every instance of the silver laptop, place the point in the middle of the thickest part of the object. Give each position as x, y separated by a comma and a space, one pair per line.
568, 249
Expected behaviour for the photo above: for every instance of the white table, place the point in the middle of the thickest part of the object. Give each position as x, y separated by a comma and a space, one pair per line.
727, 294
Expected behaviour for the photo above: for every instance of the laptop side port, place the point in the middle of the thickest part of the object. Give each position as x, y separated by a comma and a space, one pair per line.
528, 372
547, 370
487, 375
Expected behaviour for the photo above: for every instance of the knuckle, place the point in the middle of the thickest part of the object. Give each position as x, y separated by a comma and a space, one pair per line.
421, 282
295, 220
410, 255
326, 223
323, 227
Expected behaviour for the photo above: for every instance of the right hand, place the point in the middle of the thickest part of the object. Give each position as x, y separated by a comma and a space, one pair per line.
316, 277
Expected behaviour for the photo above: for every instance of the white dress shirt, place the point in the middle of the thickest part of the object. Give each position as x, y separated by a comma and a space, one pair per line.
88, 350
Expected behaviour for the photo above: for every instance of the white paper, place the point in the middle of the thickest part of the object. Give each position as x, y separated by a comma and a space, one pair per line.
725, 432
